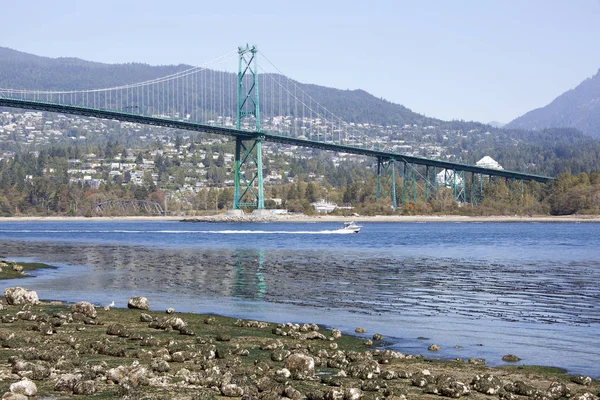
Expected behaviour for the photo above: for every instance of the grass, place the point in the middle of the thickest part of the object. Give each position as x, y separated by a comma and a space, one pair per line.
9, 273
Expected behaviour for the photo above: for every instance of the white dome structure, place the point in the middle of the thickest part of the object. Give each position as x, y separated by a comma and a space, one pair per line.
488, 162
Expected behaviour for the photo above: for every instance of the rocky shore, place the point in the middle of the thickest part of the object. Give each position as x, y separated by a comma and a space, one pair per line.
291, 217
53, 351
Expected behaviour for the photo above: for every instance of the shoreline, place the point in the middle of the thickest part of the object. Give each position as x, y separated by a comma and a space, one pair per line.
142, 351
224, 217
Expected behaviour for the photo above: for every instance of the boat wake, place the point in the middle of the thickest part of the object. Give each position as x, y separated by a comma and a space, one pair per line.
229, 231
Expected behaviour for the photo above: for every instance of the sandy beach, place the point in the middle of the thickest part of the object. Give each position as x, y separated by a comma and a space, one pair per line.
225, 217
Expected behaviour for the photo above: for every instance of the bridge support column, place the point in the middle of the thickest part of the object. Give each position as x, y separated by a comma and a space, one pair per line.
248, 175
409, 183
387, 170
458, 187
430, 183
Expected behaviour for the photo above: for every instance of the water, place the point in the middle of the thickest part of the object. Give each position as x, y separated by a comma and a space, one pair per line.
529, 289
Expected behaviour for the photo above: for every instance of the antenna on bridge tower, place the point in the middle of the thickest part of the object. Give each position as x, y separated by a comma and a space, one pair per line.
248, 103
248, 157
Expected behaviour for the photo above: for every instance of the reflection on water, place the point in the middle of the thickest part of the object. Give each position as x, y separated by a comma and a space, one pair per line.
249, 280
356, 282
545, 312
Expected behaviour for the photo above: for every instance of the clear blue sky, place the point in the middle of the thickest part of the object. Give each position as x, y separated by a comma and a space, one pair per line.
477, 60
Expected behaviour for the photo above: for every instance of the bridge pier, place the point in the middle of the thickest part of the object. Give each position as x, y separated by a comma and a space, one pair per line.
248, 157
387, 170
248, 172
431, 183
409, 182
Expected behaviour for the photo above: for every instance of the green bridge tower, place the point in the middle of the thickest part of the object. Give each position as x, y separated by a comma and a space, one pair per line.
248, 173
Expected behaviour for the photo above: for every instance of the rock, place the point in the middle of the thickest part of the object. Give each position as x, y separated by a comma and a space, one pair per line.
421, 379
454, 389
139, 376
117, 375
510, 358
520, 388
36, 371
170, 310
17, 296
360, 330
313, 335
232, 390
26, 316
283, 373
66, 383
138, 302
186, 331
377, 336
160, 366
14, 396
336, 333
145, 318
584, 396
85, 308
477, 361
117, 330
279, 354
85, 388
300, 366
176, 323
433, 347
17, 268
352, 394
329, 394
558, 390
5, 335
388, 375
582, 380
364, 370
370, 386
292, 393
487, 384
387, 356
272, 345
26, 387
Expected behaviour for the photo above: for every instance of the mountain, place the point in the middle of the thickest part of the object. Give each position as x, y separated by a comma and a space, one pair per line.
496, 124
577, 108
20, 70
544, 151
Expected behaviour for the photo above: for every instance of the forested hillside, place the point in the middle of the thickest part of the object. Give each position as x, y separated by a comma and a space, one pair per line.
577, 108
545, 151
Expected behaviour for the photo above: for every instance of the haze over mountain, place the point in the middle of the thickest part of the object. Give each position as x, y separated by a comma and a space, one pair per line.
496, 124
20, 70
577, 108
545, 151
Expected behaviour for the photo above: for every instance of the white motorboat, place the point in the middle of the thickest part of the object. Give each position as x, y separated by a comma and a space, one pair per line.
349, 227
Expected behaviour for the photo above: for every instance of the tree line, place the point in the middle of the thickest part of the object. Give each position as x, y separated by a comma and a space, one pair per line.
39, 185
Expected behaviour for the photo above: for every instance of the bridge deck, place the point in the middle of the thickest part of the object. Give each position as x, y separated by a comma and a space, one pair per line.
192, 126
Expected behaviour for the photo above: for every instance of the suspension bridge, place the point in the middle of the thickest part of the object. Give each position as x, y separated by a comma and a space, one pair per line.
213, 99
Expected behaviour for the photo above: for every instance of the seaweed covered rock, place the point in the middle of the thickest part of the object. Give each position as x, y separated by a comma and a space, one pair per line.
301, 366
138, 302
85, 308
24, 387
17, 296
487, 384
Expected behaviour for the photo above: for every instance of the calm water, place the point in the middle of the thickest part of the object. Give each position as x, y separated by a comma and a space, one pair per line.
492, 288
